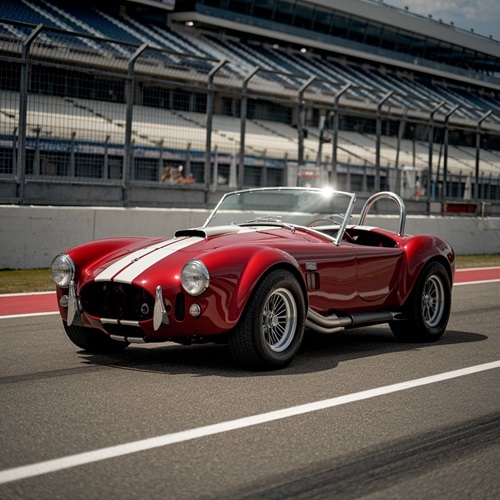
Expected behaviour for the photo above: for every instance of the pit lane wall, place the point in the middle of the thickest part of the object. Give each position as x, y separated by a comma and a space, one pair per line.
31, 236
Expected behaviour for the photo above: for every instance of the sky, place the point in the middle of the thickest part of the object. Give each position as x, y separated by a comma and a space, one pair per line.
481, 15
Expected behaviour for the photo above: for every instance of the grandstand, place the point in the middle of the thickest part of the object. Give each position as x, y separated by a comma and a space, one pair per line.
354, 93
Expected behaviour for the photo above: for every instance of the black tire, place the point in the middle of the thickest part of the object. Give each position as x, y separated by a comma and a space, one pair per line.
427, 308
93, 340
271, 328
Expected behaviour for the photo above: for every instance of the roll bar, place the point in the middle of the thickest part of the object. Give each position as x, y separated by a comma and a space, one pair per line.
385, 195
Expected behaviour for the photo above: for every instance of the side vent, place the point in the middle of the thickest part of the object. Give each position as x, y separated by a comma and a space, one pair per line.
312, 282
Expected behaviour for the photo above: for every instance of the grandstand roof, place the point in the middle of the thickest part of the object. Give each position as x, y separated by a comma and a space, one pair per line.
370, 30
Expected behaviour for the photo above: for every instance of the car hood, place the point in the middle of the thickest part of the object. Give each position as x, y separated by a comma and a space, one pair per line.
162, 260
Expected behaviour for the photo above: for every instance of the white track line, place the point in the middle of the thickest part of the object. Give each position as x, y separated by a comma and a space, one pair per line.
10, 316
26, 294
477, 268
49, 466
476, 282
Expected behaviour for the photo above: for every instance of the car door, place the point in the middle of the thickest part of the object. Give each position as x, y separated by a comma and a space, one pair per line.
330, 276
378, 271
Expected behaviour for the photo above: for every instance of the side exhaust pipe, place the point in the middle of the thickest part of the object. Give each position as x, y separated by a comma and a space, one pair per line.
334, 323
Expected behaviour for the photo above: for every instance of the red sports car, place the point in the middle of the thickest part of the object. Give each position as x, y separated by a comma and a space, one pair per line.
268, 265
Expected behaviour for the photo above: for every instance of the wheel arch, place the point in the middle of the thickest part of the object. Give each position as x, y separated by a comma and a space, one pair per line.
271, 326
422, 250
442, 260
428, 306
287, 266
258, 267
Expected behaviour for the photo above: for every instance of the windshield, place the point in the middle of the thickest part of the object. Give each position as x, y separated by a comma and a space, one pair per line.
315, 208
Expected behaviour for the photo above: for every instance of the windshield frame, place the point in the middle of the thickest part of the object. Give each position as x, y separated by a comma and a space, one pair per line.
261, 219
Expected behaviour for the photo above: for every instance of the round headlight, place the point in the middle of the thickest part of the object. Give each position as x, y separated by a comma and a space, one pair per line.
195, 277
62, 270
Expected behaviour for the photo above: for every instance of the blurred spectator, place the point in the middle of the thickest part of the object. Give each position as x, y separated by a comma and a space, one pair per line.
167, 175
174, 176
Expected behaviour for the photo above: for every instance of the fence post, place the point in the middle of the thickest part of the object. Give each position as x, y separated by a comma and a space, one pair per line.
210, 114
105, 167
243, 118
301, 119
159, 174
379, 133
129, 96
14, 150
216, 171
401, 131
23, 112
72, 162
428, 188
444, 191
36, 157
478, 147
335, 139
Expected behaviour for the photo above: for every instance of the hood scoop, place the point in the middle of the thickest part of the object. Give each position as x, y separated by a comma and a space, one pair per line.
207, 232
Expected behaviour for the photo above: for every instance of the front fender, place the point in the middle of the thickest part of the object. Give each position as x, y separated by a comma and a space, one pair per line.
241, 272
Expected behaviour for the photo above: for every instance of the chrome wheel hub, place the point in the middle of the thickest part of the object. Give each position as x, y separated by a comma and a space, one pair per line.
433, 301
279, 320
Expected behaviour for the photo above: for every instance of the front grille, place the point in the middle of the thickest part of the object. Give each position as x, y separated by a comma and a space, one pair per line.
117, 301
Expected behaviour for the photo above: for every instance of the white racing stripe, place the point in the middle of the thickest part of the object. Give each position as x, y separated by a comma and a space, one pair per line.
131, 272
128, 268
40, 468
115, 268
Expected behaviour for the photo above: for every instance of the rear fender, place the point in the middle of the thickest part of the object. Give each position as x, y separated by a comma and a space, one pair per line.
420, 250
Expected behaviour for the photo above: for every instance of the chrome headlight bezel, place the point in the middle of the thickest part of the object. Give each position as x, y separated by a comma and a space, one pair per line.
62, 270
195, 277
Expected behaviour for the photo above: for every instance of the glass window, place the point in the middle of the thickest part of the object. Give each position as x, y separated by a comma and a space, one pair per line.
388, 40
341, 26
403, 42
263, 8
240, 6
303, 16
284, 12
323, 21
357, 29
444, 52
373, 33
417, 46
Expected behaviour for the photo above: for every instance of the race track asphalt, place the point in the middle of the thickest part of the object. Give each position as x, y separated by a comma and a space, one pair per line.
141, 424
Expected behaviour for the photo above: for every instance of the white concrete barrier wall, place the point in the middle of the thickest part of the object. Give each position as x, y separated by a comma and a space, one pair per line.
31, 236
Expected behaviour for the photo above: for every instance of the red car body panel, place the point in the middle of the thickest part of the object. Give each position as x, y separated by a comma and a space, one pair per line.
344, 279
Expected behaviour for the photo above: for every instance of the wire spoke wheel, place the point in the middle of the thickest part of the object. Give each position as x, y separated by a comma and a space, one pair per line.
433, 301
428, 307
271, 328
279, 319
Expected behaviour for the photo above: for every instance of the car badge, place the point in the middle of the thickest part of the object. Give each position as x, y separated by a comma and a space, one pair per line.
311, 266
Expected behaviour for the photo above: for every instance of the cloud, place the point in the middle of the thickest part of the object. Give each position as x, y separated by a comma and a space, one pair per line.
481, 15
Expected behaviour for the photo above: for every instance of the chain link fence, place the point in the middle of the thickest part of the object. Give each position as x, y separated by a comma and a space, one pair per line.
88, 111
